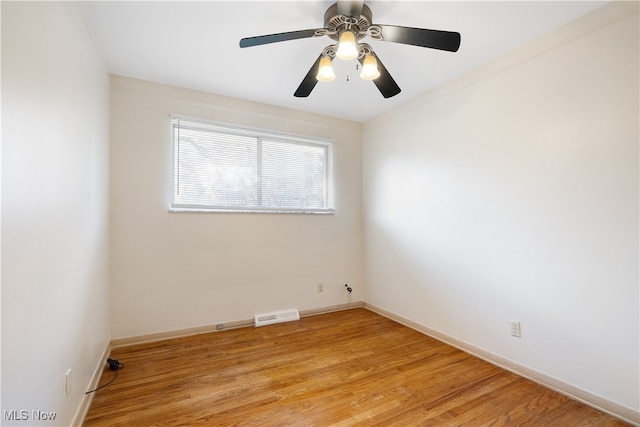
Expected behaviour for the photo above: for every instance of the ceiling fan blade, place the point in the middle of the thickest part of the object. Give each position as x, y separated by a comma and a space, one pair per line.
435, 39
385, 83
309, 81
350, 8
278, 37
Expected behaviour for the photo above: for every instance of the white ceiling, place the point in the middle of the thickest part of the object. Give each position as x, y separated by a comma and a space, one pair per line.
195, 45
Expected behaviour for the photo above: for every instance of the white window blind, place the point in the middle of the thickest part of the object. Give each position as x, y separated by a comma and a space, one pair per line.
223, 168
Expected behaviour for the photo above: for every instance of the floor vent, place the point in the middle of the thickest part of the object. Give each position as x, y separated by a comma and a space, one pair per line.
276, 317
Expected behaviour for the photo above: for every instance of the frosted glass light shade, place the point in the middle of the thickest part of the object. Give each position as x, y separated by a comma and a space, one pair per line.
325, 70
370, 68
347, 48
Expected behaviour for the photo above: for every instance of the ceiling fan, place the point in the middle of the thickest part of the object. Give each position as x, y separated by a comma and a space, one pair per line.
347, 23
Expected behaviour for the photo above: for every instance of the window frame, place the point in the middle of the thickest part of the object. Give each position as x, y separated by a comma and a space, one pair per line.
260, 134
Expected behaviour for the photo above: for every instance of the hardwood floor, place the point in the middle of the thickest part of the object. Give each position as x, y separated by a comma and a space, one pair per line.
352, 367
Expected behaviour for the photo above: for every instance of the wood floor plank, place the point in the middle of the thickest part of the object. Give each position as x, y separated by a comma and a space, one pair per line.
347, 368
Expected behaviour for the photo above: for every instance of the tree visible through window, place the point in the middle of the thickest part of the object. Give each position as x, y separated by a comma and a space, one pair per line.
223, 168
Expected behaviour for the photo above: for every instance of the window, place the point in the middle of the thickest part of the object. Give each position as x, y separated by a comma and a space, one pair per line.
223, 168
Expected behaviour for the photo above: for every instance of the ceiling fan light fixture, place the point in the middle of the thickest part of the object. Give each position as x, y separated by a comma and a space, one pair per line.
370, 68
325, 70
347, 48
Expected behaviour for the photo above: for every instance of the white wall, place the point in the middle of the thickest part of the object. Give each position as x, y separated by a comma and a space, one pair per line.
55, 297
512, 194
172, 271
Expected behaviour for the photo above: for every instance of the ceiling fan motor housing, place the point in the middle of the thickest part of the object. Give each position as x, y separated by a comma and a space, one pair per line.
336, 23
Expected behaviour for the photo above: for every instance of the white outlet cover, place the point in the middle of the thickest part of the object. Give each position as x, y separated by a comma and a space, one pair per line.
515, 329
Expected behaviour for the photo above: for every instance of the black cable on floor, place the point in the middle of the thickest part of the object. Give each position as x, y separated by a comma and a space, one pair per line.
114, 365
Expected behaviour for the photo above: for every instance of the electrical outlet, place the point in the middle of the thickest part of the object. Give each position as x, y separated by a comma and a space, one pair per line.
320, 287
67, 383
515, 328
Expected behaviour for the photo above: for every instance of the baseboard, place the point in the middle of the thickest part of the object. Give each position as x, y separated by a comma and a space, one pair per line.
179, 333
614, 409
331, 309
85, 404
